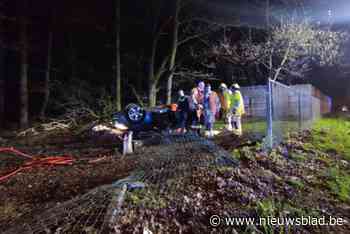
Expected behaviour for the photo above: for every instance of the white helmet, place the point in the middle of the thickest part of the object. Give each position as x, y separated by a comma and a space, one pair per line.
223, 86
236, 86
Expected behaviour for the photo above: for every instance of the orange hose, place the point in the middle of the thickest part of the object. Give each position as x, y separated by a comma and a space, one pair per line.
43, 161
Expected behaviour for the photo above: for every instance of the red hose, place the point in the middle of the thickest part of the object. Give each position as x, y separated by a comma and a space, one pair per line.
2, 178
13, 150
36, 162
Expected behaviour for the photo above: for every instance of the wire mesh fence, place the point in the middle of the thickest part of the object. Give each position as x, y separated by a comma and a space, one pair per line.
163, 167
275, 110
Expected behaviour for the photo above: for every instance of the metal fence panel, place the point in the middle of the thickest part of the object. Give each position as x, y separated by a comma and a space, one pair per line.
274, 110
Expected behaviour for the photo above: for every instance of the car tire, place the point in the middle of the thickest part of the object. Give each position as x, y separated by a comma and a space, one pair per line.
134, 113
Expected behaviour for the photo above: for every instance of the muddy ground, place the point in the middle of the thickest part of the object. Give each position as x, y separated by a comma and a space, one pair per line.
290, 180
36, 189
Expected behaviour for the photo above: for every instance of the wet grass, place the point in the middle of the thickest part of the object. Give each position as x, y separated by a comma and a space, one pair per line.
258, 127
332, 135
251, 126
330, 138
338, 182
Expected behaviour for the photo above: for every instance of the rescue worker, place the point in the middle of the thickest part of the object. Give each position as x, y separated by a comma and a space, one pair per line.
237, 109
196, 104
211, 106
183, 109
172, 116
225, 100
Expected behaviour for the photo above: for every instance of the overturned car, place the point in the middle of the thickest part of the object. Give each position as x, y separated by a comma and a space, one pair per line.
136, 123
138, 119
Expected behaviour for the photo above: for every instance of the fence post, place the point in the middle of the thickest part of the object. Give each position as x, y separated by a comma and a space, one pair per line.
313, 108
269, 115
127, 143
299, 111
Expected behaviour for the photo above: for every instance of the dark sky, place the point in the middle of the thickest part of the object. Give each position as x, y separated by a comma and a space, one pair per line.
91, 21
250, 12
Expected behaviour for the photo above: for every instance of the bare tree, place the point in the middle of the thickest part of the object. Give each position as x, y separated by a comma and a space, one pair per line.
117, 56
154, 72
23, 69
289, 49
47, 76
2, 80
154, 75
48, 69
173, 51
191, 28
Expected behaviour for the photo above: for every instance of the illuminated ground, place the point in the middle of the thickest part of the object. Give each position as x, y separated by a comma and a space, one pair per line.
307, 176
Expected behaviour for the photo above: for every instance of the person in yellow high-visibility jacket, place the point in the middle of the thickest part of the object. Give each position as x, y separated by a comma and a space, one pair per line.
236, 109
225, 99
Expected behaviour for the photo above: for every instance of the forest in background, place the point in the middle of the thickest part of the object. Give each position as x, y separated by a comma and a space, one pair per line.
60, 55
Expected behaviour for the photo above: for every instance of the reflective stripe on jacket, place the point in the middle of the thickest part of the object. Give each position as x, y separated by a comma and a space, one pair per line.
226, 102
237, 102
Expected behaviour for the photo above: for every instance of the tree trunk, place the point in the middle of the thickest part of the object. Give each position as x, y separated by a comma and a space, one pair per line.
153, 74
153, 79
281, 65
152, 84
169, 88
117, 60
152, 94
173, 52
23, 91
2, 81
47, 76
2, 88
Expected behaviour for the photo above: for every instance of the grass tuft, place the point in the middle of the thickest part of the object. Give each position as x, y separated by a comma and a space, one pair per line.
332, 136
339, 183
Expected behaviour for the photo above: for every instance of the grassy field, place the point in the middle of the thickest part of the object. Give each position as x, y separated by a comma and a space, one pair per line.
329, 134
256, 126
315, 164
259, 127
333, 135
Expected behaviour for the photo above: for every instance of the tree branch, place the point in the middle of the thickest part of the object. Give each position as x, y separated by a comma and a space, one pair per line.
138, 97
191, 38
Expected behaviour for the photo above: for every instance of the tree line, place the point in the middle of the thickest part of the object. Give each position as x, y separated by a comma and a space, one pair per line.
182, 45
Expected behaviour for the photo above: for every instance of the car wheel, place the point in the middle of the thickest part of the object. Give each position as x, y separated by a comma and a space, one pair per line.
134, 113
